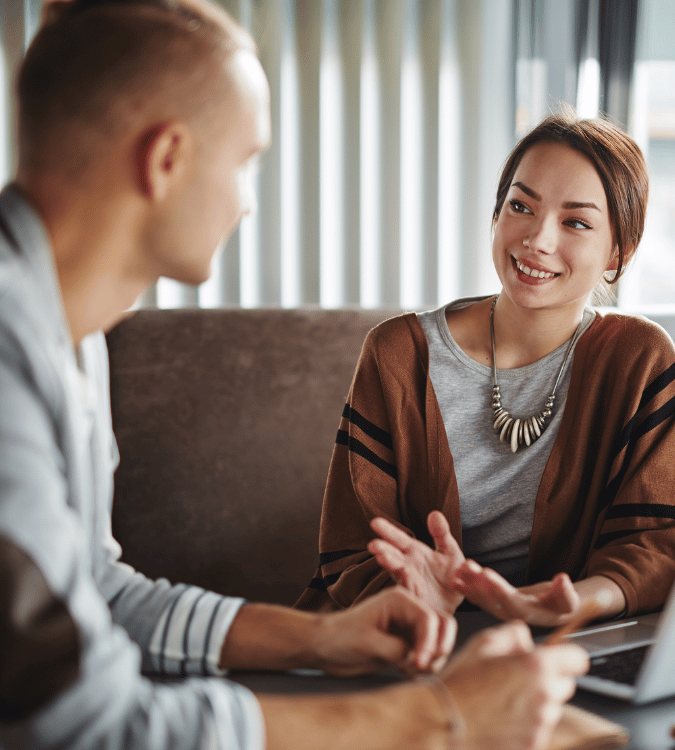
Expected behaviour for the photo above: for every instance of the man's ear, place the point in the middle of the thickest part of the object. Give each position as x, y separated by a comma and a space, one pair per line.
163, 153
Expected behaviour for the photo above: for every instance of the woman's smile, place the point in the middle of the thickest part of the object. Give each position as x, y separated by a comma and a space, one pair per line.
532, 273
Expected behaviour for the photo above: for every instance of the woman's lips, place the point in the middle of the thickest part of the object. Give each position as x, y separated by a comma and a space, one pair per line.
532, 275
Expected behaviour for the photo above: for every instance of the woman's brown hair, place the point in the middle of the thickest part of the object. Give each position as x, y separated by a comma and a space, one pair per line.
618, 161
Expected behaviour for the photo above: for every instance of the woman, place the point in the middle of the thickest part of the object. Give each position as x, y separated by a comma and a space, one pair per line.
534, 435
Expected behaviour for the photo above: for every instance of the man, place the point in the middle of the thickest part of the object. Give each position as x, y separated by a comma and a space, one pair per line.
139, 121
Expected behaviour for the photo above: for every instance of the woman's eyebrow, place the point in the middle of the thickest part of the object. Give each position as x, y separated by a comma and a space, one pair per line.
527, 190
567, 205
577, 204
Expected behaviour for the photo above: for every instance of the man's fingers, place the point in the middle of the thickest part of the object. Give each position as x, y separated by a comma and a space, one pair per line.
447, 635
502, 640
422, 634
568, 659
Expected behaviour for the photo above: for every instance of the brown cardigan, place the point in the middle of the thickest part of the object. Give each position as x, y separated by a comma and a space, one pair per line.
606, 502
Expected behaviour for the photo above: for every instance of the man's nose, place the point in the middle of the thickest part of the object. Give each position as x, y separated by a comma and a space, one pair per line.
248, 199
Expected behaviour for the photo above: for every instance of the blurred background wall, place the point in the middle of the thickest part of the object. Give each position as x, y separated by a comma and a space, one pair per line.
391, 121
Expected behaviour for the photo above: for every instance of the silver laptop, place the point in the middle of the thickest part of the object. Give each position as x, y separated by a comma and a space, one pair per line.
633, 659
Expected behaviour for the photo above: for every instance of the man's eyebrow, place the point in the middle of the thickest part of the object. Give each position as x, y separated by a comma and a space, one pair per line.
567, 205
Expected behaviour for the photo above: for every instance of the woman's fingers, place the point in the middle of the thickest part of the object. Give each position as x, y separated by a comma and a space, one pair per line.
388, 557
445, 542
489, 591
560, 596
392, 534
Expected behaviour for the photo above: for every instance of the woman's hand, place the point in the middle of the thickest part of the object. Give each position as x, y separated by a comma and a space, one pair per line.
442, 577
549, 604
425, 572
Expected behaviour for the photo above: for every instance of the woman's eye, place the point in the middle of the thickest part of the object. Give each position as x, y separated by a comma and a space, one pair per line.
577, 224
519, 207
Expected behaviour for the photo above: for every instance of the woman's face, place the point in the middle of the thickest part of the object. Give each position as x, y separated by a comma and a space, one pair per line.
553, 238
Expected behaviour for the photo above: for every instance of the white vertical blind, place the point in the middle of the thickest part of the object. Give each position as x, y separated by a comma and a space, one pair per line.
391, 119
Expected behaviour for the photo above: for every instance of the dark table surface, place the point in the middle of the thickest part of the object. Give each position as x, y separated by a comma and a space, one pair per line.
649, 725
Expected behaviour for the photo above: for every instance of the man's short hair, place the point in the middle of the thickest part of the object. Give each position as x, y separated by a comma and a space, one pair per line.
95, 66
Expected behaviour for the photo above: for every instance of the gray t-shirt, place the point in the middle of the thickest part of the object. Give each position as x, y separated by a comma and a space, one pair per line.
497, 488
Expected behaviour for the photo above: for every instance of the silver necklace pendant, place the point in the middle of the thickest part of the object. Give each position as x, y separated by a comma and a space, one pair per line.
519, 432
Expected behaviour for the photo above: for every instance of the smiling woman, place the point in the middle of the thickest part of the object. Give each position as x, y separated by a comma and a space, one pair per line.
525, 435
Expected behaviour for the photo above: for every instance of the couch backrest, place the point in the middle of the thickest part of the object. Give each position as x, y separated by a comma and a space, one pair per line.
225, 421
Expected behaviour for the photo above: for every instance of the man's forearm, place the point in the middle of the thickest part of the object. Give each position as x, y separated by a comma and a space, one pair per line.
403, 717
390, 628
266, 636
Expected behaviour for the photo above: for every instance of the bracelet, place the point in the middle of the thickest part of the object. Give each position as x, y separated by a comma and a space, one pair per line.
455, 726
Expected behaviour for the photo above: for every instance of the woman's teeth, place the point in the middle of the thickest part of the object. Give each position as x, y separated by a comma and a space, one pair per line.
533, 272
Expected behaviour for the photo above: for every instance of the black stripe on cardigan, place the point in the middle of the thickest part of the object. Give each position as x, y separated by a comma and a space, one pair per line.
329, 557
322, 584
649, 423
612, 536
370, 429
641, 510
659, 383
356, 446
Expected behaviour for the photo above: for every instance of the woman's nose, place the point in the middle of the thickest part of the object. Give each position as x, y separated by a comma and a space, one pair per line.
543, 236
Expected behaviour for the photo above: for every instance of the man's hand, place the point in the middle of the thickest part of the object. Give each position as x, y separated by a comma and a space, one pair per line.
502, 694
427, 573
509, 693
391, 627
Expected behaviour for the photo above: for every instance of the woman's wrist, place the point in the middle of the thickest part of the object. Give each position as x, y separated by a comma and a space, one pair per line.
613, 595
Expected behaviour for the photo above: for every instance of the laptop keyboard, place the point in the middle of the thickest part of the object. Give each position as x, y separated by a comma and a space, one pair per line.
622, 666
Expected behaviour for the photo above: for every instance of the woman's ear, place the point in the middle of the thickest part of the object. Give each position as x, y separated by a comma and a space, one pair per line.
614, 261
163, 153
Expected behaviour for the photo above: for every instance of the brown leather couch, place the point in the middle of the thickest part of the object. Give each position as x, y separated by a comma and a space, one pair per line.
225, 421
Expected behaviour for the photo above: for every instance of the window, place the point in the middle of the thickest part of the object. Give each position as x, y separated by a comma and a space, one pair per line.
652, 279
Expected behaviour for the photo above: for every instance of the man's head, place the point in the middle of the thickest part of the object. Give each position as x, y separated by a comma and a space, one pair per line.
170, 91
96, 67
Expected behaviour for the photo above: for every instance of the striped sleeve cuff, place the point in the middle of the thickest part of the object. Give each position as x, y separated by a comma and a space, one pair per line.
189, 635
